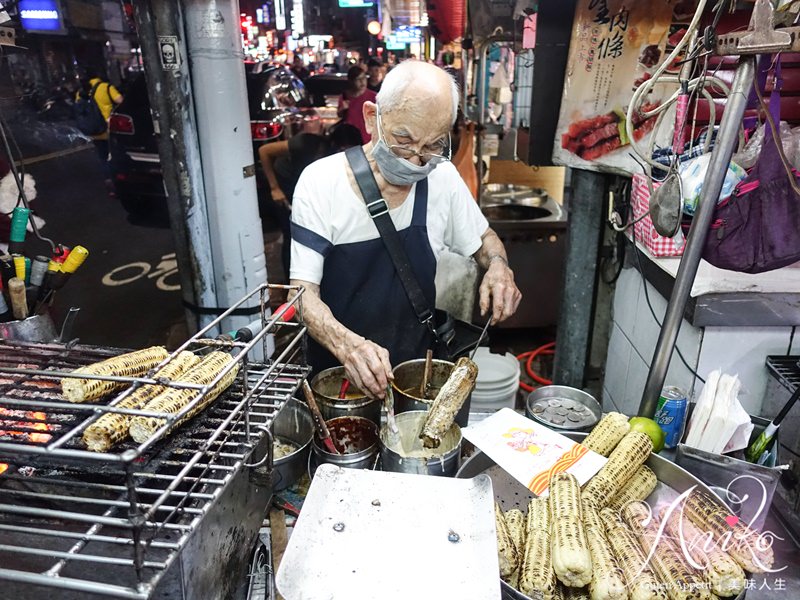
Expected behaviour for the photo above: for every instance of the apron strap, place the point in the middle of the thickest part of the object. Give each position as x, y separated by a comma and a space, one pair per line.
379, 211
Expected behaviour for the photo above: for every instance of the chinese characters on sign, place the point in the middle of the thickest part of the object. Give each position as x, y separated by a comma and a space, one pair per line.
613, 45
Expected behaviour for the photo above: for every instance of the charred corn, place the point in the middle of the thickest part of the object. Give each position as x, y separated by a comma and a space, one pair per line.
723, 574
573, 593
622, 463
572, 560
513, 579
642, 584
743, 544
536, 578
565, 496
516, 527
608, 582
175, 400
132, 364
112, 428
607, 433
506, 548
538, 517
680, 581
638, 487
448, 401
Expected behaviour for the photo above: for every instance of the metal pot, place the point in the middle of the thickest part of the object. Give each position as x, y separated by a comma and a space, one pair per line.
357, 436
326, 386
403, 452
563, 408
408, 378
292, 424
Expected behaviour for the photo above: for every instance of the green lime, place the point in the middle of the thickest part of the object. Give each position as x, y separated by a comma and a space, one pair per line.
651, 429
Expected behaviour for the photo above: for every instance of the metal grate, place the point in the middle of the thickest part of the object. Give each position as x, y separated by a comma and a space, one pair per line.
786, 370
114, 523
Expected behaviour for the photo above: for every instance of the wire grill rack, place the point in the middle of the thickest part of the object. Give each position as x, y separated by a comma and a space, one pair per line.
114, 523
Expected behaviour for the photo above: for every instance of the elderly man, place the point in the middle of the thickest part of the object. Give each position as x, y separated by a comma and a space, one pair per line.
356, 308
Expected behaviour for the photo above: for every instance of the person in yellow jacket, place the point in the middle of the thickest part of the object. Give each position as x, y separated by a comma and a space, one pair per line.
106, 96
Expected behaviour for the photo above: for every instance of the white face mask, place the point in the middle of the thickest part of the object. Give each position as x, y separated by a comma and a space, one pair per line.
397, 170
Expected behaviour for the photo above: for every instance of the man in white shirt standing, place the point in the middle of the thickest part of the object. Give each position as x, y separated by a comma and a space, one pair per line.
355, 306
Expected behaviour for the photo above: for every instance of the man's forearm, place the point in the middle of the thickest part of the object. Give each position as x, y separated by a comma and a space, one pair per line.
323, 326
491, 250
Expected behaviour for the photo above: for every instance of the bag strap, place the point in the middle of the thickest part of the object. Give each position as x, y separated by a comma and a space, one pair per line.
379, 212
94, 90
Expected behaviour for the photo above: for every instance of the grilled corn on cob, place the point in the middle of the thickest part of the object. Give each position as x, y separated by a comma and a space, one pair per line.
132, 364
723, 574
173, 401
448, 402
680, 581
622, 463
573, 593
572, 560
642, 584
516, 527
506, 548
607, 433
743, 544
536, 578
112, 428
638, 487
608, 582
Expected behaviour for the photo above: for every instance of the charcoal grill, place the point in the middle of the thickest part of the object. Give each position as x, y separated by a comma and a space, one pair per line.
175, 516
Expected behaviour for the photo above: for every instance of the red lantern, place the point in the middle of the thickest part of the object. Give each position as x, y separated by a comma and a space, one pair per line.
447, 19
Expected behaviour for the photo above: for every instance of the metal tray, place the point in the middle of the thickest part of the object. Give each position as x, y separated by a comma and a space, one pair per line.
364, 534
510, 493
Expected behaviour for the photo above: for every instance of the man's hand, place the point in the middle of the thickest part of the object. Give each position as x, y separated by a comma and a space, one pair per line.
499, 291
280, 198
367, 365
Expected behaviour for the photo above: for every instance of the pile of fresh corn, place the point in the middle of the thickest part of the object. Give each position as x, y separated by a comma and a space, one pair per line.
602, 542
112, 428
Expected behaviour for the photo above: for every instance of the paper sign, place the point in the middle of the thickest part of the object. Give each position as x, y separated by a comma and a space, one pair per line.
615, 46
532, 453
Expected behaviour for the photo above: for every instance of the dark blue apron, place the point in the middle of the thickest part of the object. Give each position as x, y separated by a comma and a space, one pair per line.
362, 289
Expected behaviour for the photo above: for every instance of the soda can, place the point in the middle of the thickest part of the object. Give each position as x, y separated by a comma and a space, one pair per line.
671, 414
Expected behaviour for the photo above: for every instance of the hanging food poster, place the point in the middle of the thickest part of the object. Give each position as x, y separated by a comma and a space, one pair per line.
615, 47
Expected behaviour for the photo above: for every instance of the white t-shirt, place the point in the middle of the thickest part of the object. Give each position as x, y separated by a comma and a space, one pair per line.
325, 204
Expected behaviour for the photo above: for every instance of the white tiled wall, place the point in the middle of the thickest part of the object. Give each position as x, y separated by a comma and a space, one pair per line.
735, 350
742, 351
633, 341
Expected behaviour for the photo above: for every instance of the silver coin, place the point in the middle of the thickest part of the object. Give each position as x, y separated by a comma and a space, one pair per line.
554, 402
574, 417
569, 404
557, 420
537, 409
560, 411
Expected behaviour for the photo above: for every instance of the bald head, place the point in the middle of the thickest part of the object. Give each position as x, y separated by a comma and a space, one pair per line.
418, 86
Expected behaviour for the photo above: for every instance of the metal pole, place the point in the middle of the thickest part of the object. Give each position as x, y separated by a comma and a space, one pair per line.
577, 300
718, 167
173, 115
223, 124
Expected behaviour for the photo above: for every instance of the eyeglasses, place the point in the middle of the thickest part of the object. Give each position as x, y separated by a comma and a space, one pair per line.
435, 153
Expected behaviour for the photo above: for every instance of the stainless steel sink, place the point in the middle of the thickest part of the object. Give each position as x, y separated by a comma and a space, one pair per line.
506, 204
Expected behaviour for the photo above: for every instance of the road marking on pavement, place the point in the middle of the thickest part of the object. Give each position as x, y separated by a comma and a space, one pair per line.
43, 157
